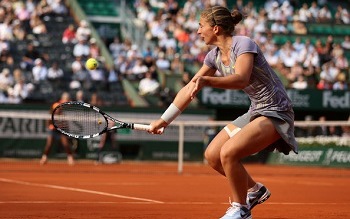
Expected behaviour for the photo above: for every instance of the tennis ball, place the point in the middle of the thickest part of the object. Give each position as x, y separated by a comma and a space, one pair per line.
91, 64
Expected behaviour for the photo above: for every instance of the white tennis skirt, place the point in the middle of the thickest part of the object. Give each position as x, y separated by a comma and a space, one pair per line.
284, 124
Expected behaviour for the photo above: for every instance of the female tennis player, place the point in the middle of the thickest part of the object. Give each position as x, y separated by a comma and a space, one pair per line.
55, 135
269, 122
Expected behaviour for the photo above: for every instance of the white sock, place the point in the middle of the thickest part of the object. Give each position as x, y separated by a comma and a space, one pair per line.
239, 204
255, 188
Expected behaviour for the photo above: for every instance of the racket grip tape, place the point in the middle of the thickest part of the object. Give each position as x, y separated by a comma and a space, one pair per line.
141, 127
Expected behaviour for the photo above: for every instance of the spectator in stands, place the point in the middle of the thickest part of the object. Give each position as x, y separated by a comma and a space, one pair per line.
337, 51
314, 11
59, 7
162, 63
288, 57
69, 35
113, 75
43, 8
295, 71
272, 57
19, 32
341, 62
81, 49
80, 96
39, 71
95, 51
6, 80
340, 83
55, 72
6, 33
83, 31
299, 27
241, 65
171, 7
117, 48
125, 65
261, 24
278, 27
148, 85
144, 11
275, 13
55, 75
191, 24
133, 52
186, 78
342, 15
321, 130
298, 45
345, 130
29, 56
55, 135
37, 25
324, 14
329, 72
98, 78
346, 43
167, 42
21, 11
304, 14
22, 90
324, 84
300, 83
6, 57
181, 35
30, 6
139, 70
287, 11
177, 67
148, 60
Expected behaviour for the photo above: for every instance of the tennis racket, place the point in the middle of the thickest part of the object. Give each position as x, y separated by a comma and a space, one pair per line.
82, 120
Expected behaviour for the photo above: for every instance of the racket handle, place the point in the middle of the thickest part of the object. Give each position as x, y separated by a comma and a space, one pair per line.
146, 128
141, 127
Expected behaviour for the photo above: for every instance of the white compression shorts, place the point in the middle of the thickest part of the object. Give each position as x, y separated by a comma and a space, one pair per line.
231, 130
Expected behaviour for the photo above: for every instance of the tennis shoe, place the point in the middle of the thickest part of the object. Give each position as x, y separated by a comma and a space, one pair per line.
257, 197
237, 211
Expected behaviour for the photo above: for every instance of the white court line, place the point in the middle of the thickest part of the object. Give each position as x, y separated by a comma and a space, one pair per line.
301, 182
166, 203
78, 190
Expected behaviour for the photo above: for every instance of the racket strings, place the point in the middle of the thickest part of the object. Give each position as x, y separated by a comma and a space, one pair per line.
79, 120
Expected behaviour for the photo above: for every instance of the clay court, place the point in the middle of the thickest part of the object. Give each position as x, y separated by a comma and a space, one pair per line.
138, 190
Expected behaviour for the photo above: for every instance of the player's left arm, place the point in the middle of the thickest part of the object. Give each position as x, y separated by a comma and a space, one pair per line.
239, 80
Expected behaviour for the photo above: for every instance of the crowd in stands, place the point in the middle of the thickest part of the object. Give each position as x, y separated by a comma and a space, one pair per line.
303, 63
22, 21
172, 28
27, 22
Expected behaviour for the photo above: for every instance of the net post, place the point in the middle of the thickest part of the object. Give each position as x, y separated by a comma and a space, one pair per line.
181, 147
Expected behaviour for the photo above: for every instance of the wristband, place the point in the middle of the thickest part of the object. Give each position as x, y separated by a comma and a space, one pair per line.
171, 113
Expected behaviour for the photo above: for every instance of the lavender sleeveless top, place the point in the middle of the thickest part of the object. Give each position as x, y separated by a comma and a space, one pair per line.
265, 89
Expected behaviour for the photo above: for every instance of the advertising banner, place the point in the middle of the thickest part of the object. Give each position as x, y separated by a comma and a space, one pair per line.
302, 99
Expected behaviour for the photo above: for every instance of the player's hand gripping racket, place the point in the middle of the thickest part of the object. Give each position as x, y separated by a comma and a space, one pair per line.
82, 120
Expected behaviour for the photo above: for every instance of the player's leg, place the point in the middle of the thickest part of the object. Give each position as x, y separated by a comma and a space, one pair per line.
48, 145
66, 144
212, 153
253, 137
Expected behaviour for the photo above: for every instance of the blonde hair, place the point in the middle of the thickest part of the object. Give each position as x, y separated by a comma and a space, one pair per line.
221, 16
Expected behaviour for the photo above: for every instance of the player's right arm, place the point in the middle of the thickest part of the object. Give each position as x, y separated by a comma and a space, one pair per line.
182, 99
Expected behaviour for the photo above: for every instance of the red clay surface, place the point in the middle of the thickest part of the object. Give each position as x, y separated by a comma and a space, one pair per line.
155, 191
